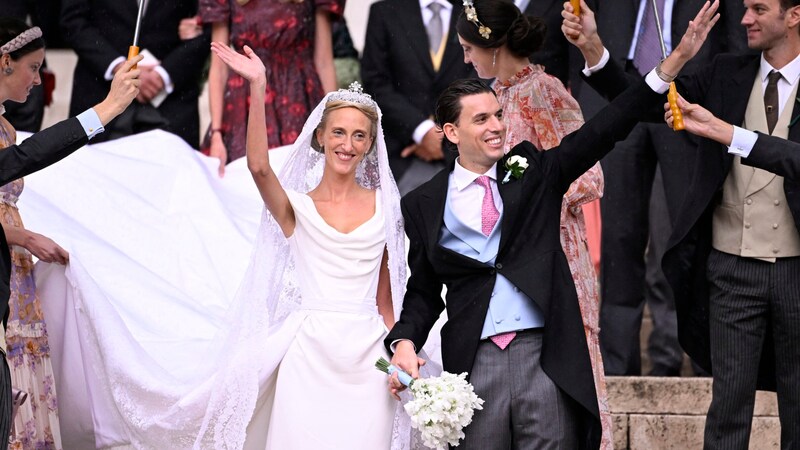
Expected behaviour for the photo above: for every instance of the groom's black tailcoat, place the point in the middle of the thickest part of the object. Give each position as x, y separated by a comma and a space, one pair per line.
529, 255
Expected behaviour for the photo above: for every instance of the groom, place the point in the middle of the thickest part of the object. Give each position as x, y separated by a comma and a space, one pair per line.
491, 235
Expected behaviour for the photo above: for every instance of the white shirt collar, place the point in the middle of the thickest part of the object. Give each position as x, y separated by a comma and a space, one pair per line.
790, 72
423, 4
463, 177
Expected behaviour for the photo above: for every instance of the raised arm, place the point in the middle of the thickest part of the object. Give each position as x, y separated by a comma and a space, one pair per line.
250, 67
610, 80
217, 77
56, 142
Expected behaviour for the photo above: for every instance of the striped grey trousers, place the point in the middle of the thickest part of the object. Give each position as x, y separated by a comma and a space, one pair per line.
523, 408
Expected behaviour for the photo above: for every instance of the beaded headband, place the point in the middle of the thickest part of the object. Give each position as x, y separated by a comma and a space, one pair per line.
23, 39
354, 94
472, 16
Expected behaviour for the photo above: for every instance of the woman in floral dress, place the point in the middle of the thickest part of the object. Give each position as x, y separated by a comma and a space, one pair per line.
36, 423
537, 108
294, 40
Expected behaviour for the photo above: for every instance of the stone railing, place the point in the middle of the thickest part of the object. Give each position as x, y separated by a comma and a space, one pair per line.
652, 413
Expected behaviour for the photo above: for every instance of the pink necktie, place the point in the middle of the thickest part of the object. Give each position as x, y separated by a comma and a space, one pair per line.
489, 213
489, 217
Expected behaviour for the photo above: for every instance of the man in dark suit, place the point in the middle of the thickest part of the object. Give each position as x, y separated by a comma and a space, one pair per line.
632, 244
411, 54
491, 235
100, 32
35, 153
734, 254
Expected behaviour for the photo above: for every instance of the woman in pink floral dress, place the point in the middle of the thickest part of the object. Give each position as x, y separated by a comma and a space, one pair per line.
294, 40
28, 351
537, 108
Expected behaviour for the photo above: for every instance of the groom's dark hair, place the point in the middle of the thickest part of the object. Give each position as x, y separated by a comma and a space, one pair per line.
448, 105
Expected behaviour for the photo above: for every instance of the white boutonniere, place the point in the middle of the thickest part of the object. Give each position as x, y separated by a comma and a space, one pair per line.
515, 167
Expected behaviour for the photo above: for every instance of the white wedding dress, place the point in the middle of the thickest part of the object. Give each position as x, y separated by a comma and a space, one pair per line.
325, 392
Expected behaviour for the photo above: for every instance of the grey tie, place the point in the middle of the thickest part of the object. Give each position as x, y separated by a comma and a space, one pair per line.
648, 48
435, 27
771, 99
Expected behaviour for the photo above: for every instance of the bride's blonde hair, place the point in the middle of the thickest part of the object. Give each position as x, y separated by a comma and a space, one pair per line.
334, 105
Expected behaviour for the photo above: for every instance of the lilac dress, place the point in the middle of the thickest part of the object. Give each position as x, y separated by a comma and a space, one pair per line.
36, 425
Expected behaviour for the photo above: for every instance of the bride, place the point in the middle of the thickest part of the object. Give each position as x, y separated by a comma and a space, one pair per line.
317, 300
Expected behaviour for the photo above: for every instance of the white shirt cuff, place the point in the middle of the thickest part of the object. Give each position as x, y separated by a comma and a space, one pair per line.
168, 86
109, 75
393, 345
90, 122
422, 129
743, 142
588, 71
656, 83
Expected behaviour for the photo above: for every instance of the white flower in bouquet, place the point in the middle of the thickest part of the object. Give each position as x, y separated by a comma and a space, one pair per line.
441, 408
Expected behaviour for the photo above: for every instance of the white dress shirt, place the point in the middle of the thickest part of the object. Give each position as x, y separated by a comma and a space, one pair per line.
466, 196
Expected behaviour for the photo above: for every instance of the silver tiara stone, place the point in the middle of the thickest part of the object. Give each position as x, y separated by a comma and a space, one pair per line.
354, 94
21, 40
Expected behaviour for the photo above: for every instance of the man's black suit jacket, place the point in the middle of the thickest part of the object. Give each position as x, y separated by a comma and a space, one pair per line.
102, 30
723, 87
35, 153
397, 71
529, 255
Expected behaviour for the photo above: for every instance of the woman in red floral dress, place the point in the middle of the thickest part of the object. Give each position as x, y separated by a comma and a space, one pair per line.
293, 39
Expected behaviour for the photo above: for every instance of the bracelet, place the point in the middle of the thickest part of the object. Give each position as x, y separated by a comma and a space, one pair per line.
215, 130
664, 76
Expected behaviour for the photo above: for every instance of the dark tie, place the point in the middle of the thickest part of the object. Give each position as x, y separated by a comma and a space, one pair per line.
771, 99
435, 28
648, 47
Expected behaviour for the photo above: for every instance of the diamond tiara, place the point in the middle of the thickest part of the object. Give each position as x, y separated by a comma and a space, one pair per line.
354, 94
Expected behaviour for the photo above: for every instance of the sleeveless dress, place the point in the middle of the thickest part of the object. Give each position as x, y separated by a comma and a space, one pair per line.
36, 424
326, 392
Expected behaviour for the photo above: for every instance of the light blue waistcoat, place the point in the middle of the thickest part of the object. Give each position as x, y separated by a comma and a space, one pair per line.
509, 308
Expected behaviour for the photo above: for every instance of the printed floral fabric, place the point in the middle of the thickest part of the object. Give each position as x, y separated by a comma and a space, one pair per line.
36, 425
537, 108
282, 34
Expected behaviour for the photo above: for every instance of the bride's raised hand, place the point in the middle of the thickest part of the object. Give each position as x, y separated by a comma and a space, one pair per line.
249, 65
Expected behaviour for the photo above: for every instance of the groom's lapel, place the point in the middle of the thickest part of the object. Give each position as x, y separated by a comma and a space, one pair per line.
510, 192
433, 202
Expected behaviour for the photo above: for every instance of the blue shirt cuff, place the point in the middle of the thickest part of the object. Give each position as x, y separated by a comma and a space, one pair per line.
90, 122
742, 142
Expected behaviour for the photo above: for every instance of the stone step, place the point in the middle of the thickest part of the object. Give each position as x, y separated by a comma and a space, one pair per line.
669, 413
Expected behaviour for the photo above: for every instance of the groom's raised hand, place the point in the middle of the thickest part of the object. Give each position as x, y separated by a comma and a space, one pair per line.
405, 357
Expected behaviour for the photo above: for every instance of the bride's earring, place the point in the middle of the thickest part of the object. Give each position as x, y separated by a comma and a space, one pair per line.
494, 58
8, 70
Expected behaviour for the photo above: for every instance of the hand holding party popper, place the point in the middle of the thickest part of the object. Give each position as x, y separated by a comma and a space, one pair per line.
672, 96
133, 50
576, 7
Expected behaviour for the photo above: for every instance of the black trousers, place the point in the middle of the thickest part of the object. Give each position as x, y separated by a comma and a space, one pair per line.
626, 279
5, 403
749, 298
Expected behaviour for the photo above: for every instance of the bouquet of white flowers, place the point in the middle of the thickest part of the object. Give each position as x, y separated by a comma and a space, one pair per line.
442, 405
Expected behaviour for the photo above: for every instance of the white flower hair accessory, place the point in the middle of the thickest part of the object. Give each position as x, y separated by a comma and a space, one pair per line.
472, 16
515, 166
